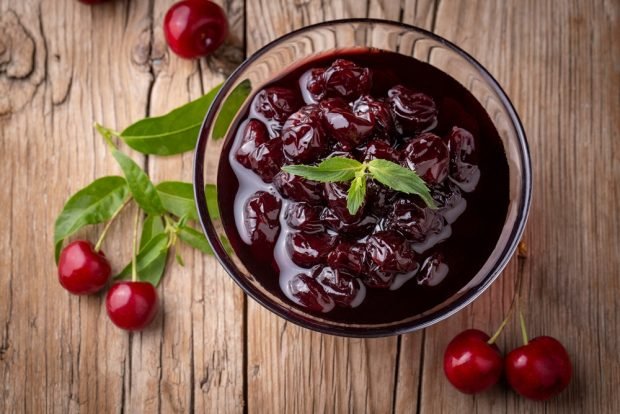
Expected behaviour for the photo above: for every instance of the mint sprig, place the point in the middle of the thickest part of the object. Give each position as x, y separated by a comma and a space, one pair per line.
388, 173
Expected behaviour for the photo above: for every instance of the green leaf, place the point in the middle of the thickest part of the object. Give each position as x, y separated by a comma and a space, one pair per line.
152, 226
357, 192
140, 185
93, 204
177, 198
230, 108
329, 170
195, 239
173, 133
150, 261
400, 179
212, 206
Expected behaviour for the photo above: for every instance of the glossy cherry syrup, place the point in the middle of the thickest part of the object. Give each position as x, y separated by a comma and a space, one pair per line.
395, 257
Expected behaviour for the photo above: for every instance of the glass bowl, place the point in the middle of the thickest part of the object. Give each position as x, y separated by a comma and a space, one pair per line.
328, 37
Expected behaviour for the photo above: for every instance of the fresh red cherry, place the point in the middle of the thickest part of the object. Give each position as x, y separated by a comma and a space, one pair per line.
81, 269
195, 28
539, 370
131, 305
470, 363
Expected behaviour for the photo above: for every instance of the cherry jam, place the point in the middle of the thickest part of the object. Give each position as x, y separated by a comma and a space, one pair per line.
395, 257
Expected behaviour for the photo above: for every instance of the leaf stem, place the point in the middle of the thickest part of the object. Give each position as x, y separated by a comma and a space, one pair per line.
134, 272
107, 134
104, 232
172, 229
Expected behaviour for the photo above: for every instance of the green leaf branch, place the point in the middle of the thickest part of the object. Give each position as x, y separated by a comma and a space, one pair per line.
341, 169
168, 208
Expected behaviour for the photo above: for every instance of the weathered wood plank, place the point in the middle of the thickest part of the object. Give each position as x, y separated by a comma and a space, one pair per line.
62, 354
200, 344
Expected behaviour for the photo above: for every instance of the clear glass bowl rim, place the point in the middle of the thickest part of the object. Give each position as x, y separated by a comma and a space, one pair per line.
428, 320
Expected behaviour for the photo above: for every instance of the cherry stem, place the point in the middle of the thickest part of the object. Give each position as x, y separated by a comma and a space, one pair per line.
104, 232
522, 322
497, 333
521, 256
134, 272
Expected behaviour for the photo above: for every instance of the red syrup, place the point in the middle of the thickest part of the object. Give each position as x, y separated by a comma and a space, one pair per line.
395, 257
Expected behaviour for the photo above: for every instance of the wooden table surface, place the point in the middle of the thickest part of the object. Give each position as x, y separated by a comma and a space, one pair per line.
64, 65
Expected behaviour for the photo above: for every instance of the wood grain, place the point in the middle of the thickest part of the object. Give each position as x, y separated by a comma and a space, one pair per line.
64, 65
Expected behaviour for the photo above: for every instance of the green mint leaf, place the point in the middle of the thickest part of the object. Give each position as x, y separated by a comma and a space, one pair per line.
173, 133
330, 170
178, 198
150, 261
152, 226
195, 239
230, 108
140, 185
93, 204
400, 179
357, 192
212, 206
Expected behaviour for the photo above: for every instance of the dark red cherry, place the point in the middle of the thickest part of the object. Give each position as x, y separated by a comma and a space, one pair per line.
82, 270
379, 149
347, 80
390, 252
449, 200
343, 125
307, 250
463, 158
131, 305
303, 138
413, 112
261, 221
352, 226
274, 105
310, 294
342, 288
305, 217
195, 28
414, 221
380, 199
348, 257
336, 197
375, 278
297, 188
312, 85
368, 107
266, 160
433, 270
470, 363
539, 370
428, 155
254, 134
